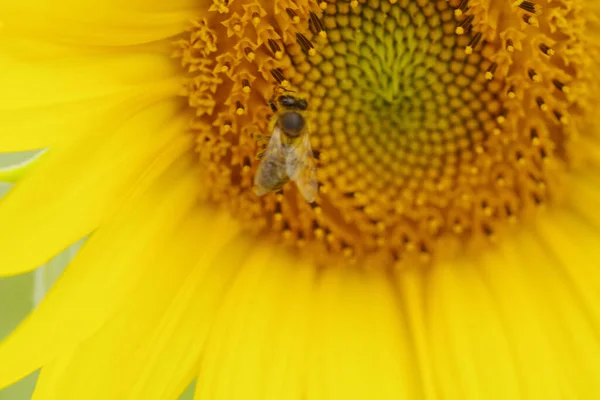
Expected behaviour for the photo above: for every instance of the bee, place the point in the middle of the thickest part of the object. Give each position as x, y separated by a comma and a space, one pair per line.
288, 156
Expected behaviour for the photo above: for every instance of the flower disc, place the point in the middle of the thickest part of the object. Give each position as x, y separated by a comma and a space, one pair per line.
434, 123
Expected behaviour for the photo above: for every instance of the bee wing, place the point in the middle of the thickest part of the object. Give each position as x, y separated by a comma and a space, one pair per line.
274, 145
300, 167
268, 171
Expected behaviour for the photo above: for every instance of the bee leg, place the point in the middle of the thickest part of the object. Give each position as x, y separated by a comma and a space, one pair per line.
272, 104
260, 154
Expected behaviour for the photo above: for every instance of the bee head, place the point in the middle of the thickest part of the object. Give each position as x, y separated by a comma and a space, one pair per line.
292, 123
292, 102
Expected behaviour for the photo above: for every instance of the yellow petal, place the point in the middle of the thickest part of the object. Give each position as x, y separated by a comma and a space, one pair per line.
521, 321
92, 288
73, 188
570, 245
175, 346
110, 22
571, 239
361, 346
155, 327
49, 378
584, 196
285, 333
466, 336
53, 93
556, 349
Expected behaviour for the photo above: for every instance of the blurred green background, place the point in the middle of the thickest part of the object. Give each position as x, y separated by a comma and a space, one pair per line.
19, 295
16, 300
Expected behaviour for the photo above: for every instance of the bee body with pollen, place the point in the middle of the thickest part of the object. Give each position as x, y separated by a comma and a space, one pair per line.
288, 155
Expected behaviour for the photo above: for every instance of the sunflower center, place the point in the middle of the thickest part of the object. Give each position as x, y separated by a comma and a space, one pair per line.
434, 123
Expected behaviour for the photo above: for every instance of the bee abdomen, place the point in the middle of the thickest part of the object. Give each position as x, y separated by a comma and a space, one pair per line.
270, 177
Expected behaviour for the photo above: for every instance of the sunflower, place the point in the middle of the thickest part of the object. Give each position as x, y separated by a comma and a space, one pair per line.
452, 249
